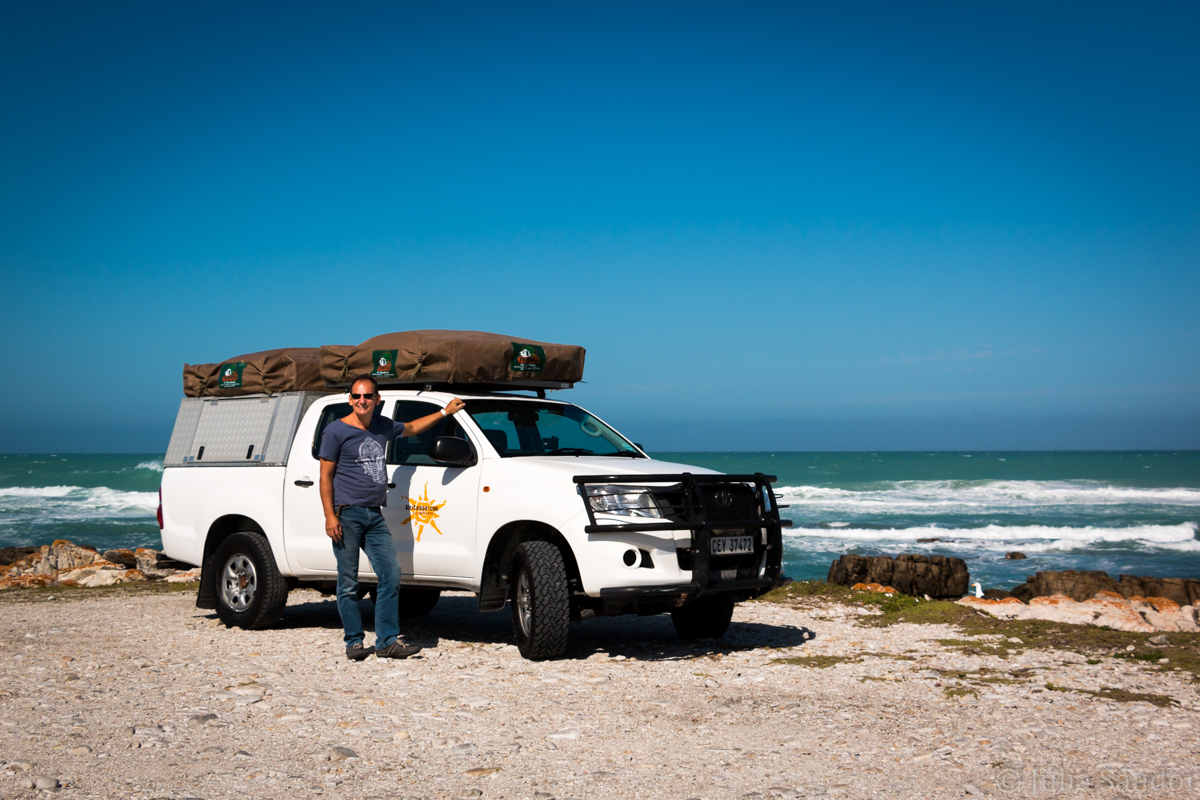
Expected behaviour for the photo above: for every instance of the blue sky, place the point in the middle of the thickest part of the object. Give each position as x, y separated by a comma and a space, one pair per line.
773, 226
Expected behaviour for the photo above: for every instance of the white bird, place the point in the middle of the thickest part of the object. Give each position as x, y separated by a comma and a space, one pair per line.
978, 589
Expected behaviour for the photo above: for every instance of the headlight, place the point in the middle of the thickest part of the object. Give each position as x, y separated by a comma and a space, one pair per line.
625, 501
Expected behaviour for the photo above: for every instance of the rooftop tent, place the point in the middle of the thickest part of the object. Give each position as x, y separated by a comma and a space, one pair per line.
289, 369
453, 357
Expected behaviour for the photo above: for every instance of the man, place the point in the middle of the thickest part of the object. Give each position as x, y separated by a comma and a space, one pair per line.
353, 492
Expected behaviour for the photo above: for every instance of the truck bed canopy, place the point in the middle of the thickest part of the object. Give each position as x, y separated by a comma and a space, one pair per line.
404, 358
454, 357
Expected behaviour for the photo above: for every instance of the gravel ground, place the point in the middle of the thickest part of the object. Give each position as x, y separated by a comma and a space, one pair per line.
140, 694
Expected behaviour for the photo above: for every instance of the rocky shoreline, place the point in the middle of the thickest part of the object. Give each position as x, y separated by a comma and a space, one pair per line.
64, 563
130, 691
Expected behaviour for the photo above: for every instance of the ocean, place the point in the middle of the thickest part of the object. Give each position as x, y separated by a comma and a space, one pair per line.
1121, 512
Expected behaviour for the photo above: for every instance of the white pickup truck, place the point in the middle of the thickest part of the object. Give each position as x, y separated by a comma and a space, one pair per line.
517, 498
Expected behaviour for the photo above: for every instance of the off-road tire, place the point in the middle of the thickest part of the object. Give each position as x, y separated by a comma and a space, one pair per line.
541, 609
417, 601
707, 617
249, 590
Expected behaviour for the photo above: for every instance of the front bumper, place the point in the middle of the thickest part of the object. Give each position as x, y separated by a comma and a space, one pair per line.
694, 511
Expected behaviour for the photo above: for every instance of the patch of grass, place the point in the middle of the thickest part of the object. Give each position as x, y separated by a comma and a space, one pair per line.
797, 590
1120, 695
960, 691
1143, 655
974, 647
819, 662
929, 612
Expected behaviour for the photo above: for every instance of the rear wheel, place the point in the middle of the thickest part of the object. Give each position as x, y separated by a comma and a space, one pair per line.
704, 618
541, 610
249, 590
417, 601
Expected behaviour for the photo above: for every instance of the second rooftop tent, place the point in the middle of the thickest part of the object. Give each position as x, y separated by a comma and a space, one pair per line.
453, 357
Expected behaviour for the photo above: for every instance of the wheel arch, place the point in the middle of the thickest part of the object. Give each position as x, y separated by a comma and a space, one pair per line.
220, 530
502, 549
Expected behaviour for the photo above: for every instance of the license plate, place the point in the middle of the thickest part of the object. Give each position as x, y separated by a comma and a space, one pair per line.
730, 545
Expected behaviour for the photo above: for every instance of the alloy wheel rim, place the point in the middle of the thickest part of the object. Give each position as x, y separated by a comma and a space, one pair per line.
239, 582
524, 603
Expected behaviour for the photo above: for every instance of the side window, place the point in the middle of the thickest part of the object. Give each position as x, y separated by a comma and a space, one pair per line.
414, 450
328, 415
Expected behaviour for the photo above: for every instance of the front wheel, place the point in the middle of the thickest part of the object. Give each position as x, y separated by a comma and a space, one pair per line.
707, 617
250, 592
541, 609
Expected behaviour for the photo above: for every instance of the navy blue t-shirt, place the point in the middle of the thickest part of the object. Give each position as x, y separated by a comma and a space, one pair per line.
360, 478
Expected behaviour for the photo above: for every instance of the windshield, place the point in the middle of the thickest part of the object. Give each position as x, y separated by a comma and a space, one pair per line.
530, 428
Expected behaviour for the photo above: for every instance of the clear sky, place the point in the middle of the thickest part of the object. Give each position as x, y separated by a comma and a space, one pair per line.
773, 226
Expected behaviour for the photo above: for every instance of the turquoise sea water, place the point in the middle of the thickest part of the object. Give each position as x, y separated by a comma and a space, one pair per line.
1122, 512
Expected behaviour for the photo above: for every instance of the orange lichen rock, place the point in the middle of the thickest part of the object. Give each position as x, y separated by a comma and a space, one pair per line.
1108, 609
873, 587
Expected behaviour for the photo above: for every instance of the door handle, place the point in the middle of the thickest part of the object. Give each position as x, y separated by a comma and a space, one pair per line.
304, 484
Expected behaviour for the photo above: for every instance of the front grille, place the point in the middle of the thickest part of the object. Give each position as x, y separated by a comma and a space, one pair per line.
724, 502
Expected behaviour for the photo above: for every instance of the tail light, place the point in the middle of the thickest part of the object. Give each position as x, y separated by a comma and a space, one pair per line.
160, 525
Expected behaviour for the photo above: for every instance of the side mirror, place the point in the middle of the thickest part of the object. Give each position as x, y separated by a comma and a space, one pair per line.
638, 445
452, 450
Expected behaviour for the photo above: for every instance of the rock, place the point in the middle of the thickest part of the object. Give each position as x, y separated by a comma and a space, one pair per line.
996, 594
340, 754
565, 734
200, 719
401, 736
10, 554
1108, 609
1080, 586
1159, 641
123, 556
1077, 585
873, 587
711, 684
187, 576
928, 539
242, 754
1014, 555
81, 750
973, 790
940, 577
156, 565
111, 577
45, 782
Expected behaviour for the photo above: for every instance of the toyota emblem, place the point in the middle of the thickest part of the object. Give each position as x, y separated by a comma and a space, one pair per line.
724, 498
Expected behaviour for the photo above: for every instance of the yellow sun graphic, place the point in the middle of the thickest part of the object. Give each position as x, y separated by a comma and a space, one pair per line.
422, 511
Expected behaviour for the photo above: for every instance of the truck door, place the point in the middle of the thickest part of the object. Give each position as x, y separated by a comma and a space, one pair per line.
431, 510
308, 548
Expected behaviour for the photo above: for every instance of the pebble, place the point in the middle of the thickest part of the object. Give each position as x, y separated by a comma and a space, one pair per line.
566, 734
81, 750
45, 782
200, 719
340, 754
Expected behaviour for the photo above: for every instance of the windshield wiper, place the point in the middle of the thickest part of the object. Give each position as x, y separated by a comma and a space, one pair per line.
570, 451
629, 453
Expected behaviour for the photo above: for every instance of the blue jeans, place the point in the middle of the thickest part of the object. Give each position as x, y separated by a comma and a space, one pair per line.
364, 529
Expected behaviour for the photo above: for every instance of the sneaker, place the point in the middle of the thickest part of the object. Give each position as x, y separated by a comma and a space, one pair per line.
397, 649
358, 651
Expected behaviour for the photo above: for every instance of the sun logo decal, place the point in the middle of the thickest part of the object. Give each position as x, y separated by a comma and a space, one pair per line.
422, 511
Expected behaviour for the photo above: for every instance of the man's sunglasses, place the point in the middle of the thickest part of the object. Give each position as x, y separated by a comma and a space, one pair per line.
366, 396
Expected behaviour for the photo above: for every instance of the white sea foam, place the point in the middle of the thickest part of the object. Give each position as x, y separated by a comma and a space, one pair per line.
74, 502
1030, 538
979, 496
156, 466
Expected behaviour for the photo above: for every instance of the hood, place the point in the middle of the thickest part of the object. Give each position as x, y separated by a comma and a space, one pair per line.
608, 465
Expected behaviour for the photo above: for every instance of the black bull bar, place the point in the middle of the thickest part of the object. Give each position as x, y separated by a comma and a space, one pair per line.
702, 526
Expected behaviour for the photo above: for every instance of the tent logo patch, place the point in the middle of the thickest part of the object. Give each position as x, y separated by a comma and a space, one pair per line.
527, 358
383, 363
229, 376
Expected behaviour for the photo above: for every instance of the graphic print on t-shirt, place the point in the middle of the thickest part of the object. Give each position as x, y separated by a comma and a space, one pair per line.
370, 458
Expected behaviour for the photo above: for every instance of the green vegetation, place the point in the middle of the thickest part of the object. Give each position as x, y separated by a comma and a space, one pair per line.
1120, 695
960, 691
819, 662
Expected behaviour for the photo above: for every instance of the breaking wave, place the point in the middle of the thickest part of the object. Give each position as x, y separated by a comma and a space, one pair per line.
1030, 538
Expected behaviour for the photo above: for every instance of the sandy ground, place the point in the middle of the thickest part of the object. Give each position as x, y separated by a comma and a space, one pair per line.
140, 694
